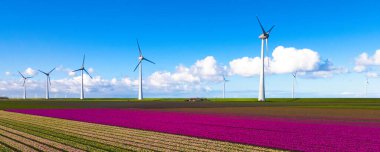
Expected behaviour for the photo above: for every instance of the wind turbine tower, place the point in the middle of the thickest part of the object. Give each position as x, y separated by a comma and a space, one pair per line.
294, 81
366, 87
139, 65
264, 37
224, 86
82, 69
48, 82
24, 83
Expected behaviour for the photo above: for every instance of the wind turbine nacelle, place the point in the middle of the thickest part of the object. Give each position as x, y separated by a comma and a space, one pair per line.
264, 36
140, 57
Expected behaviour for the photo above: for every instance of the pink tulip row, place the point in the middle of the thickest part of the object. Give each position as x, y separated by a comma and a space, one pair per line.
267, 132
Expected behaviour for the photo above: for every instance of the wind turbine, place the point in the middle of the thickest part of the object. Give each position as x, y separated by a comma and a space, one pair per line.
82, 69
24, 84
48, 82
366, 87
294, 81
139, 65
263, 36
224, 86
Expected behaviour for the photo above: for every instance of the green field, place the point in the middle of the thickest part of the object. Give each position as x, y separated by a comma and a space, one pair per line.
354, 103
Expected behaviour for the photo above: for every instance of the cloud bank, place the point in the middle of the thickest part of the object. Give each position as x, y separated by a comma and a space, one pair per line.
364, 61
200, 77
286, 60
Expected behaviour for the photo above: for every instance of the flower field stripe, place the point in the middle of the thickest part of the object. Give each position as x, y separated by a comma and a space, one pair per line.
42, 140
28, 142
45, 128
217, 145
277, 133
15, 144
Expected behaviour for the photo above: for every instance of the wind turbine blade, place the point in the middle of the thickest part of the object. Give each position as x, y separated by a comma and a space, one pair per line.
77, 70
42, 72
148, 60
84, 58
21, 74
24, 82
138, 45
87, 73
137, 65
49, 80
51, 70
28, 77
271, 29
262, 28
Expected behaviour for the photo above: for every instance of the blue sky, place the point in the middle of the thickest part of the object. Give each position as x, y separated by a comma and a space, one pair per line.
44, 34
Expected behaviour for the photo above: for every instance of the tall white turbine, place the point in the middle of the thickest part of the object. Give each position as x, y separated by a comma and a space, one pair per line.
24, 83
48, 82
366, 87
294, 81
264, 37
139, 65
82, 69
224, 86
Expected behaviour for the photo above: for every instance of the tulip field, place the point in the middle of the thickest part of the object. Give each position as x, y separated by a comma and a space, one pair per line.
20, 132
216, 125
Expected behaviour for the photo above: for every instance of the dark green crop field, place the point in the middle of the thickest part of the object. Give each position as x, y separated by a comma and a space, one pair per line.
152, 103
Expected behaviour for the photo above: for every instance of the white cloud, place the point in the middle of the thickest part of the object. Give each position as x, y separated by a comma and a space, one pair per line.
245, 66
193, 78
66, 70
363, 61
71, 73
8, 73
207, 68
185, 74
30, 71
128, 81
91, 70
372, 74
286, 60
360, 68
95, 85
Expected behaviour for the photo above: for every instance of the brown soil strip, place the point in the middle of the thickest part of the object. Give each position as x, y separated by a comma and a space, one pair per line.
348, 115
